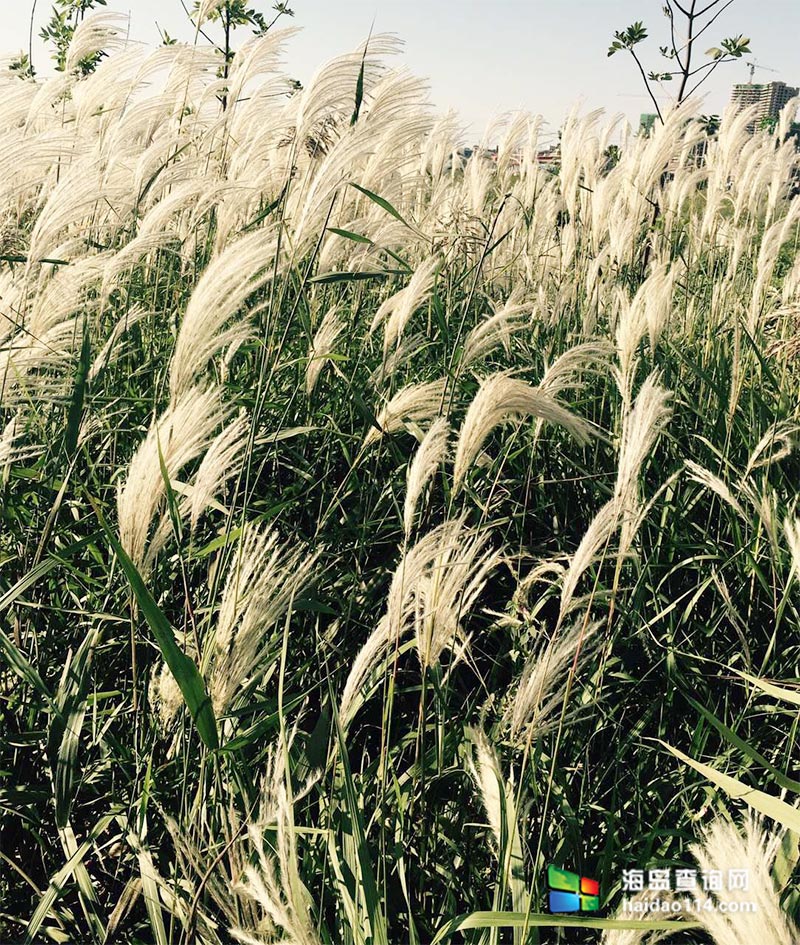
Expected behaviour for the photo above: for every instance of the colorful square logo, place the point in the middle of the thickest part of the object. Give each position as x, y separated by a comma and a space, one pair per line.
570, 892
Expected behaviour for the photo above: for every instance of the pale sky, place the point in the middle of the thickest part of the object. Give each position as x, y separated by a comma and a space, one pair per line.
486, 58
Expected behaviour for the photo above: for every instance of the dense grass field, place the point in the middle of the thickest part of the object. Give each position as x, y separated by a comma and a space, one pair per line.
379, 527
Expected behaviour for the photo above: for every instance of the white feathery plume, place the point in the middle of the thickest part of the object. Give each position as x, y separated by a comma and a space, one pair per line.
272, 879
776, 444
164, 695
772, 241
583, 357
499, 399
415, 563
706, 478
724, 847
207, 8
240, 270
398, 308
433, 589
263, 580
330, 89
10, 453
98, 32
182, 433
377, 647
641, 427
331, 327
598, 535
110, 350
415, 403
495, 331
791, 530
74, 206
498, 797
144, 244
541, 688
446, 592
260, 56
563, 373
48, 335
222, 461
640, 430
430, 454
484, 766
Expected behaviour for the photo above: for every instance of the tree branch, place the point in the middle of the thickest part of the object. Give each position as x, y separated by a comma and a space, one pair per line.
713, 67
691, 15
710, 6
713, 18
673, 40
647, 85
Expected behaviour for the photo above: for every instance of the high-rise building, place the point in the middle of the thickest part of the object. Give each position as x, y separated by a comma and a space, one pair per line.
647, 121
769, 99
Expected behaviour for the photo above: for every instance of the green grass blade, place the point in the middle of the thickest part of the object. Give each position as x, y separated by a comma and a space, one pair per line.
366, 875
183, 669
519, 920
349, 235
764, 803
383, 204
777, 692
59, 880
75, 411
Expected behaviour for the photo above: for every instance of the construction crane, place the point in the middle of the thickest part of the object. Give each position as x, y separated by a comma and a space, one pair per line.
752, 65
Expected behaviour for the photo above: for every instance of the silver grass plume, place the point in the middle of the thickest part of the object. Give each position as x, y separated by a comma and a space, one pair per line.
98, 32
540, 690
415, 403
223, 461
207, 8
447, 590
378, 646
791, 530
430, 454
164, 695
263, 579
433, 590
498, 797
640, 430
723, 846
235, 274
484, 766
331, 327
10, 451
398, 308
641, 427
329, 91
182, 433
272, 877
561, 374
776, 444
495, 331
499, 399
713, 483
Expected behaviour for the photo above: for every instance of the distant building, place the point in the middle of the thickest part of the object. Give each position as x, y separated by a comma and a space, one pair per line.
550, 157
647, 121
768, 100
